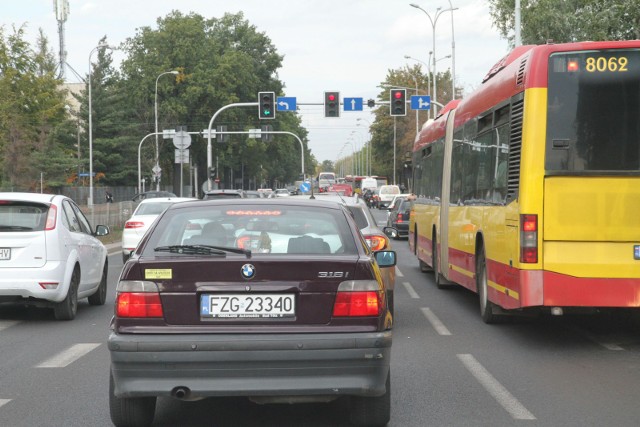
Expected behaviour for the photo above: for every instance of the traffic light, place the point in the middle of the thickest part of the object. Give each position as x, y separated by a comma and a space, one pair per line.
220, 135
266, 105
332, 104
264, 135
371, 103
212, 172
398, 102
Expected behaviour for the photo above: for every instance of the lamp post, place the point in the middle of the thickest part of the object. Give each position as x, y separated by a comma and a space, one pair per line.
90, 201
434, 21
157, 163
453, 56
369, 150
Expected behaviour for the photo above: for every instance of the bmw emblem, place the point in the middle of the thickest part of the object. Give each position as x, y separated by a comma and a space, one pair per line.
248, 271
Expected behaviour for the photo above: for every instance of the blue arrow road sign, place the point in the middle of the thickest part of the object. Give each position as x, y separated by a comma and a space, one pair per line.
420, 102
305, 187
286, 103
352, 104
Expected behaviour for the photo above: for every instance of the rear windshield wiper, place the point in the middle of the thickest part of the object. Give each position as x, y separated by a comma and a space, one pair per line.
15, 228
202, 250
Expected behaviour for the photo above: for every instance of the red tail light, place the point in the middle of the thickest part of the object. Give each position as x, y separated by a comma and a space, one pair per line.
138, 305
376, 243
358, 298
51, 218
138, 299
528, 238
244, 242
133, 224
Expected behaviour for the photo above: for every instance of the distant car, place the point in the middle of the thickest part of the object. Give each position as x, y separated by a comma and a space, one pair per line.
224, 194
152, 194
282, 192
386, 193
277, 300
250, 194
398, 217
397, 198
141, 219
49, 254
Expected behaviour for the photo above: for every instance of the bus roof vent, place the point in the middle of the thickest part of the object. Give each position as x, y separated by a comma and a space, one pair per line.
520, 75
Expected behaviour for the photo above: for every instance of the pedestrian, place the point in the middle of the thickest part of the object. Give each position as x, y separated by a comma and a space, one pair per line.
108, 196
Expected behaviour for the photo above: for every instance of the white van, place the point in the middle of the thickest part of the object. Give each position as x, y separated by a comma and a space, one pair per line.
387, 193
369, 184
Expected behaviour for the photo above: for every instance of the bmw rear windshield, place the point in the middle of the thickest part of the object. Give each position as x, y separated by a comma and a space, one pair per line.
260, 228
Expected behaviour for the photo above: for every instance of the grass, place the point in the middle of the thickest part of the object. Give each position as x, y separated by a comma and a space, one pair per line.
114, 236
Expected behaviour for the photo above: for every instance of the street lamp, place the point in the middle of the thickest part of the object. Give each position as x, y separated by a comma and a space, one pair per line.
453, 56
439, 12
369, 150
157, 166
90, 201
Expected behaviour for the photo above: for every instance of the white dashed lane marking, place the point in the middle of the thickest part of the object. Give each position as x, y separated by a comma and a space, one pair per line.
399, 273
68, 356
412, 292
435, 322
4, 402
495, 389
4, 324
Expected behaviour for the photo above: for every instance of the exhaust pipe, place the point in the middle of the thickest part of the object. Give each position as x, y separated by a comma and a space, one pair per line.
181, 392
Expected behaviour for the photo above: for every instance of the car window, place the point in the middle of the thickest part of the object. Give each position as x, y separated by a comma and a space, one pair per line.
152, 208
271, 229
70, 219
84, 222
359, 216
22, 216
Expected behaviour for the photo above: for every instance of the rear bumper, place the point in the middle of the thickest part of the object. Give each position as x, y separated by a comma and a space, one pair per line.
25, 282
251, 365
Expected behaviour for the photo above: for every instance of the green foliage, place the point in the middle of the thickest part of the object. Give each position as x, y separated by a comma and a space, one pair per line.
32, 113
568, 21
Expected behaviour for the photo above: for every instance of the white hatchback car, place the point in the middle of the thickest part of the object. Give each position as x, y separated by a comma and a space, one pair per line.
141, 219
49, 254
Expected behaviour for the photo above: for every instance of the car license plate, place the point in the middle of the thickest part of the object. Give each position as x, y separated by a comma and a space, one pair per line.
247, 305
5, 253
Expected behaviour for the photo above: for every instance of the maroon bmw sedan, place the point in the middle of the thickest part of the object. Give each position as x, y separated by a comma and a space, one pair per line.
278, 300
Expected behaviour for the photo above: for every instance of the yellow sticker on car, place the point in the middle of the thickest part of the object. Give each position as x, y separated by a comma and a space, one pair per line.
159, 273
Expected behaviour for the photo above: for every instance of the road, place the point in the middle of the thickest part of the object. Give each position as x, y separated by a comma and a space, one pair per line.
448, 368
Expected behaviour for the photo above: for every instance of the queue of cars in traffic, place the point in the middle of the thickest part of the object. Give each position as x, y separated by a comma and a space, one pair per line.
244, 293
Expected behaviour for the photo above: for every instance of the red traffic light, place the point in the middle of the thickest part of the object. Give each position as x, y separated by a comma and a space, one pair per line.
397, 94
331, 97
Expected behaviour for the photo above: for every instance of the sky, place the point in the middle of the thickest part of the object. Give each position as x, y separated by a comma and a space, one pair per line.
328, 45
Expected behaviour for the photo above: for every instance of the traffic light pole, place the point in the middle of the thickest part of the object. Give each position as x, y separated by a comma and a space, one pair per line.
209, 147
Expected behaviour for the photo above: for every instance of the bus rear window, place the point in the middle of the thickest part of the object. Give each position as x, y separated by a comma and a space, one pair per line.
593, 106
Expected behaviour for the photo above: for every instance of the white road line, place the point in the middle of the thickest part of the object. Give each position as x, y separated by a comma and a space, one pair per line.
4, 402
398, 272
435, 322
590, 337
68, 356
410, 289
495, 389
4, 324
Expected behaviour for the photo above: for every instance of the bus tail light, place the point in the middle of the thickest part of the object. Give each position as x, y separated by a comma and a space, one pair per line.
358, 298
529, 238
136, 298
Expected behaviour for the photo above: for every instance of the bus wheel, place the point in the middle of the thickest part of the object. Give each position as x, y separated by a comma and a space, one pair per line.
487, 308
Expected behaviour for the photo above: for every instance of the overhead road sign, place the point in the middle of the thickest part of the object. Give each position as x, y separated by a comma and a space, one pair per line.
353, 104
286, 103
420, 102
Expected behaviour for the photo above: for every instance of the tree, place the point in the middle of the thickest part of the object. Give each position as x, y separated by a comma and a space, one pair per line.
33, 114
221, 61
568, 21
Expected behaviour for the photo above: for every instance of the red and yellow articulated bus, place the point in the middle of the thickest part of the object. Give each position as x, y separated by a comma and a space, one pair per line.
528, 190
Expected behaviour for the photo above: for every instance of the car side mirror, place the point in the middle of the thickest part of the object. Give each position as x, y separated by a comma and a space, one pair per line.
102, 230
386, 258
